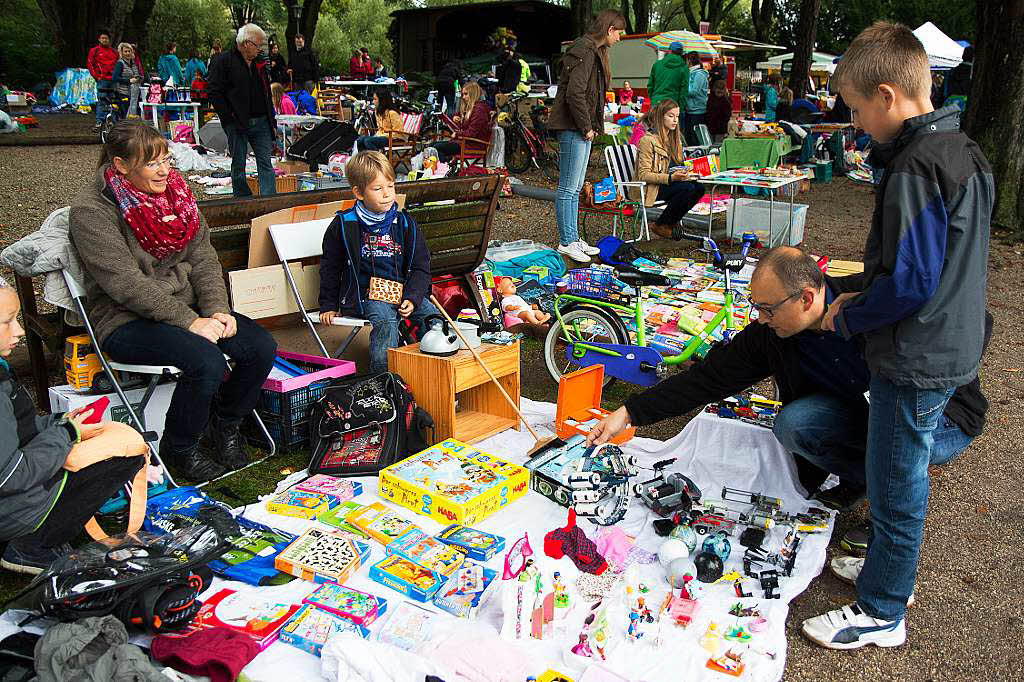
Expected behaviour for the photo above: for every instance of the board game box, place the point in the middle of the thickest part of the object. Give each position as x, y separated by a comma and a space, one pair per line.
475, 544
300, 503
402, 575
465, 590
428, 552
246, 612
321, 555
336, 517
341, 489
408, 627
379, 522
362, 608
310, 628
452, 482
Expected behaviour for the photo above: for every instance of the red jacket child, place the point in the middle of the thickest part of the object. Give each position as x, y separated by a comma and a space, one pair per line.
101, 61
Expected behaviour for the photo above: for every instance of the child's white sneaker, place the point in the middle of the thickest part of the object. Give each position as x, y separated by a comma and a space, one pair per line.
574, 252
848, 568
851, 628
587, 248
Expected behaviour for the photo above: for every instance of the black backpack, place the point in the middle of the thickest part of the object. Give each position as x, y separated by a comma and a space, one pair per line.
363, 424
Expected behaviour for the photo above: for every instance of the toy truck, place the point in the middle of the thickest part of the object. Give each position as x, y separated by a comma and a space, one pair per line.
83, 370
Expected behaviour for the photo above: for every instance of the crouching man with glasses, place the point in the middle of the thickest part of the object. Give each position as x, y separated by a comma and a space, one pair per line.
822, 380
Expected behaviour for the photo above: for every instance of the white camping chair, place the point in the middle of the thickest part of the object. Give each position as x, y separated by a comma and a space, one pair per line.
293, 242
155, 372
621, 161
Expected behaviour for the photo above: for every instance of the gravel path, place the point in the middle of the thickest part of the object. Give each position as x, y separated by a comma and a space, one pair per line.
967, 623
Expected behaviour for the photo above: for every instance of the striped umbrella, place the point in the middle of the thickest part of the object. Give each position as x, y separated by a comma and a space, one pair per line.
691, 42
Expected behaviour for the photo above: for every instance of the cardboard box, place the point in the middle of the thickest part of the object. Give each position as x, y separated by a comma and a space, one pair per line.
265, 292
66, 398
292, 167
452, 482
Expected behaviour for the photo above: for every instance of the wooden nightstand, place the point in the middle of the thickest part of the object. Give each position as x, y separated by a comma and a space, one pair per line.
439, 383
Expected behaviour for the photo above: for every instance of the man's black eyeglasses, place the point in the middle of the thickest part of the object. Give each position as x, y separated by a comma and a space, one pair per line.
768, 309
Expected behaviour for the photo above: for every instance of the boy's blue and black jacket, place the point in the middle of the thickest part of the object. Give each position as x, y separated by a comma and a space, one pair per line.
339, 264
921, 314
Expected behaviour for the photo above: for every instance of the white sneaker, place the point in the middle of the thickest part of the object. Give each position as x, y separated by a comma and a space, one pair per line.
574, 252
851, 628
587, 248
847, 568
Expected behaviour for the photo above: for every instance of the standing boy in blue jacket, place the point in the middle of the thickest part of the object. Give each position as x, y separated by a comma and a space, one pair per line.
920, 316
371, 247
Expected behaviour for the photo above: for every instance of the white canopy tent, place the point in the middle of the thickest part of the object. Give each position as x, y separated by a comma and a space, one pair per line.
943, 51
821, 62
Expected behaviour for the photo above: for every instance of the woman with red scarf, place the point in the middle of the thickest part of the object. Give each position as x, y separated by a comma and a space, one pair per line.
156, 296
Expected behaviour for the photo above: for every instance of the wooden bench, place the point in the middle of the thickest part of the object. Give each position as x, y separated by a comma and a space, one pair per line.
456, 231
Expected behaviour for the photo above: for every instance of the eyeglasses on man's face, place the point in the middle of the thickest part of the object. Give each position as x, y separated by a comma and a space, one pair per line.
767, 310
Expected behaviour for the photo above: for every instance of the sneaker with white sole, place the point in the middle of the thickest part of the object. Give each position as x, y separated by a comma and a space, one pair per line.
848, 568
587, 248
851, 628
574, 252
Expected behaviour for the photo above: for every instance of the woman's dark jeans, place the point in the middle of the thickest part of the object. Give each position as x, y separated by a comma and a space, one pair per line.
203, 370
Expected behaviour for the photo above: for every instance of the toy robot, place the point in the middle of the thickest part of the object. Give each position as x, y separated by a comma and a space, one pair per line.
600, 483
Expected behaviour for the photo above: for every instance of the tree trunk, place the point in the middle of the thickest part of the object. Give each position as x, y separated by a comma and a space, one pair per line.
761, 14
580, 14
306, 25
642, 11
995, 108
624, 8
74, 24
806, 31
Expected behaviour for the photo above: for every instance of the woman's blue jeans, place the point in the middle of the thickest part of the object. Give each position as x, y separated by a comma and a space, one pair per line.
573, 158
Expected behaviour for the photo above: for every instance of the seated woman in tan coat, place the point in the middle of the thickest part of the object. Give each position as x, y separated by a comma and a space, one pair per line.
658, 152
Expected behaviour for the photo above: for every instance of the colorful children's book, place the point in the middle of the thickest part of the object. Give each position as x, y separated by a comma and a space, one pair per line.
310, 628
246, 612
321, 555
475, 544
362, 608
336, 517
305, 505
408, 627
379, 522
463, 594
341, 489
428, 552
402, 575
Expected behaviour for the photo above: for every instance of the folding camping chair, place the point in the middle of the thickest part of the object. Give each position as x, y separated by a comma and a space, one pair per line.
155, 372
621, 161
294, 242
409, 135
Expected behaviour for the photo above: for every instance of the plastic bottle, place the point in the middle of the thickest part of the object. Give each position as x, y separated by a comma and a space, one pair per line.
458, 93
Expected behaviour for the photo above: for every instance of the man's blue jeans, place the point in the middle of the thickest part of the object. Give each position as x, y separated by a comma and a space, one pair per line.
104, 90
260, 136
384, 317
573, 158
889, 449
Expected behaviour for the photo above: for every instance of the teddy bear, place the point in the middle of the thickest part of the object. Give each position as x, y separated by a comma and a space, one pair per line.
515, 308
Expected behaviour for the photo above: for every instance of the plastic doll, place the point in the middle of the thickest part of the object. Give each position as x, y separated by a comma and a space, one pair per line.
634, 626
582, 648
515, 307
561, 596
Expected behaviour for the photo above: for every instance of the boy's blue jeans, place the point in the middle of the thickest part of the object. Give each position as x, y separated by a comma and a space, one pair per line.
573, 157
906, 432
384, 317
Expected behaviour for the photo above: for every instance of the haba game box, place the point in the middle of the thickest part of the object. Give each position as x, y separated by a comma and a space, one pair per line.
310, 628
428, 552
246, 612
362, 608
412, 580
322, 555
379, 522
452, 482
301, 503
337, 517
342, 489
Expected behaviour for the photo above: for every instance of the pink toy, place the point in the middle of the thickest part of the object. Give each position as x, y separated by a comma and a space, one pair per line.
613, 544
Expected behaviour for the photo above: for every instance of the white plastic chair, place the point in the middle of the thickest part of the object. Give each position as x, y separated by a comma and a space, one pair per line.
293, 242
156, 372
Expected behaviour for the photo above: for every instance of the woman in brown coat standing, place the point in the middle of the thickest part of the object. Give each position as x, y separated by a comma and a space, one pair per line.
577, 116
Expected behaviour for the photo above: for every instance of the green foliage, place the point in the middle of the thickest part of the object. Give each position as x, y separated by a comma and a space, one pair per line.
27, 54
348, 26
192, 24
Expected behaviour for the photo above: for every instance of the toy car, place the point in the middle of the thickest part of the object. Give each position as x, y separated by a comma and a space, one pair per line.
667, 494
702, 521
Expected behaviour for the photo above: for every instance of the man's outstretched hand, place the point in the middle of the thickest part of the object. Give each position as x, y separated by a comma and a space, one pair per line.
609, 427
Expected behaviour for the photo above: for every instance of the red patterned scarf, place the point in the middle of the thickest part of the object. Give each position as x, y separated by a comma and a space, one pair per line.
163, 223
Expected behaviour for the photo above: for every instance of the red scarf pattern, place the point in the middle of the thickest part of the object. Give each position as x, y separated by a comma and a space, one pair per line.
162, 223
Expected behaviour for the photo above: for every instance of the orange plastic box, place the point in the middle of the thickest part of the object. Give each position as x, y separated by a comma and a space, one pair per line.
579, 404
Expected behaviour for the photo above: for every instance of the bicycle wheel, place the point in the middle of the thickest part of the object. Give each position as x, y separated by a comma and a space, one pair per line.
587, 324
517, 152
549, 160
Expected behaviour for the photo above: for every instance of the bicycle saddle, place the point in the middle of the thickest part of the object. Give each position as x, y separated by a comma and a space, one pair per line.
637, 278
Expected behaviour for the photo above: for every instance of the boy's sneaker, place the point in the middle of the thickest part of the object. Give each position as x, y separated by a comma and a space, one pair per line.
848, 568
574, 252
587, 248
851, 628
855, 541
841, 497
24, 556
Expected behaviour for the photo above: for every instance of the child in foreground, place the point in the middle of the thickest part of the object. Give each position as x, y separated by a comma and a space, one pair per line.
920, 316
375, 262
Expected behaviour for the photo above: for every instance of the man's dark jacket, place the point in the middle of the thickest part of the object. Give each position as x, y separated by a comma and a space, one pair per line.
757, 353
305, 65
341, 259
230, 88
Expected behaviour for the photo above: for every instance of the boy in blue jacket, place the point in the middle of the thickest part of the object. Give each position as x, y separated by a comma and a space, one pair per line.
920, 317
375, 263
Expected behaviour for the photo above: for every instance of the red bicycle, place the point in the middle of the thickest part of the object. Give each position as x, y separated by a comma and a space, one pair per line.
525, 147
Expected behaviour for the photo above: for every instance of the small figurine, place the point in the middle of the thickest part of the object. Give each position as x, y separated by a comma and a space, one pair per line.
561, 595
737, 634
582, 648
634, 626
643, 611
730, 663
741, 611
516, 309
711, 638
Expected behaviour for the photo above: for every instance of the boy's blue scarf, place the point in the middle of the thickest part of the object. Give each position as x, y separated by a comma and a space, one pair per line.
377, 222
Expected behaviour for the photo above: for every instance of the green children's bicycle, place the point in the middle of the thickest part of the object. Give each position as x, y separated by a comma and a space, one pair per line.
590, 331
